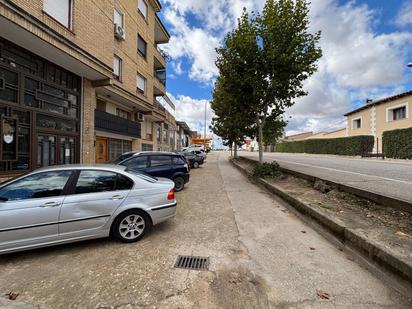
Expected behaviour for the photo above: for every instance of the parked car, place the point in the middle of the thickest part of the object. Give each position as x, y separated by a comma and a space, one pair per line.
69, 203
200, 153
193, 159
158, 164
196, 147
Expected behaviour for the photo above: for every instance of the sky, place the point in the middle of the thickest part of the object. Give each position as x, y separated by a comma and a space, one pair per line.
366, 47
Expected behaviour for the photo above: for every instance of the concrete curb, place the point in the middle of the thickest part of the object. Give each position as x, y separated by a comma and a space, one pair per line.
392, 202
345, 235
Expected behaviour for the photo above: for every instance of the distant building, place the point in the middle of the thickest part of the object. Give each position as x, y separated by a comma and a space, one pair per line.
299, 136
184, 135
376, 117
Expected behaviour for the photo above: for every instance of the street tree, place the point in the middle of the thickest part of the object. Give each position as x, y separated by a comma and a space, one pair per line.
230, 124
233, 95
288, 56
273, 129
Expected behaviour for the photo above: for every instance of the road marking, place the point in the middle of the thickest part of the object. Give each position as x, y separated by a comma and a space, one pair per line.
354, 173
337, 157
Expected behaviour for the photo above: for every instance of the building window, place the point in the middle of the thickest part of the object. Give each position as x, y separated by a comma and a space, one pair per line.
117, 67
166, 134
118, 147
357, 123
159, 134
118, 18
147, 147
141, 84
397, 112
142, 6
60, 10
141, 46
122, 113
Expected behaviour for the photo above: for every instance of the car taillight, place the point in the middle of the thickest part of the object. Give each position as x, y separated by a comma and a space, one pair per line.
171, 195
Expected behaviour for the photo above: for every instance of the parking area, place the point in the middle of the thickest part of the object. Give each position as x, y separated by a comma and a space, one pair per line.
259, 258
104, 273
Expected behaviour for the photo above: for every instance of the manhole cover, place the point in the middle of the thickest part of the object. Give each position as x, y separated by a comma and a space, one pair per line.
192, 262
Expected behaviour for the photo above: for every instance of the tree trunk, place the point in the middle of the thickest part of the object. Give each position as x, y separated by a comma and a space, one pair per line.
231, 149
235, 151
260, 126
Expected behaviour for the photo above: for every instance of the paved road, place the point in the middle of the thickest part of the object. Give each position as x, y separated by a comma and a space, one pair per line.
390, 178
259, 259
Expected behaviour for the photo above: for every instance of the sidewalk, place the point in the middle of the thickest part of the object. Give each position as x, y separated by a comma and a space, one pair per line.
382, 234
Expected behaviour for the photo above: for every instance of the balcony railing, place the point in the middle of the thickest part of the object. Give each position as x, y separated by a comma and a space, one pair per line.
159, 106
160, 75
111, 123
162, 53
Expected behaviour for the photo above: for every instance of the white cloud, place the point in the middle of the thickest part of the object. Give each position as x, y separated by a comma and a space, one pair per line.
199, 43
357, 63
192, 111
195, 44
177, 67
404, 17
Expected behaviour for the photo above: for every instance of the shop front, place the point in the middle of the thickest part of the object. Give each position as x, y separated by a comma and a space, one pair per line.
39, 112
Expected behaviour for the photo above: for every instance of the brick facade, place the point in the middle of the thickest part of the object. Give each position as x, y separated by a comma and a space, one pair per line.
87, 48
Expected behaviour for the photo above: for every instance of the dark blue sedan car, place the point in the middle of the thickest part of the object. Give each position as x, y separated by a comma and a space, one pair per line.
158, 164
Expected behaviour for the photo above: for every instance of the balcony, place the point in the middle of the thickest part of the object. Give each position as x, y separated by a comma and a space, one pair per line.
160, 75
159, 72
160, 56
159, 83
161, 34
114, 124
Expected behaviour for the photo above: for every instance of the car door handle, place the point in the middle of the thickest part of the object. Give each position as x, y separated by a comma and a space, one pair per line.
50, 204
117, 197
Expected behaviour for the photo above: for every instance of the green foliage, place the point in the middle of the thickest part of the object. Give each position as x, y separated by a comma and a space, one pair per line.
235, 61
272, 130
262, 66
349, 146
397, 143
266, 169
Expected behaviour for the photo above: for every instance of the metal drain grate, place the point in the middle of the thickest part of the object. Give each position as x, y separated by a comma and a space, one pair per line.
192, 262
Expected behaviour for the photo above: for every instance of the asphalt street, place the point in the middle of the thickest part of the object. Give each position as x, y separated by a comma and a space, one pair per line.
393, 179
261, 256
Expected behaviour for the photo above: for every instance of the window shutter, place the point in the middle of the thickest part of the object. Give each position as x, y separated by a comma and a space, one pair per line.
118, 18
59, 10
141, 83
142, 8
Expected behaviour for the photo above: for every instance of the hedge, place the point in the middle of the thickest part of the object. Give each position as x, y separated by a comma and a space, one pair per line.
349, 146
397, 143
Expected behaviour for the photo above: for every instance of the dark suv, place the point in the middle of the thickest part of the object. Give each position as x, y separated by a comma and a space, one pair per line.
158, 164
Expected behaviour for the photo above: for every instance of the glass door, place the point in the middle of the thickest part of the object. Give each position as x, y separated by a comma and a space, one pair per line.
46, 150
67, 150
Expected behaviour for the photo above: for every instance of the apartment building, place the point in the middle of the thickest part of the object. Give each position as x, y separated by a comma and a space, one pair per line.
378, 116
183, 135
78, 80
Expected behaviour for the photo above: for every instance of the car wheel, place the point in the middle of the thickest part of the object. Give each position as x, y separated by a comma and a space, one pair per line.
179, 183
195, 164
131, 226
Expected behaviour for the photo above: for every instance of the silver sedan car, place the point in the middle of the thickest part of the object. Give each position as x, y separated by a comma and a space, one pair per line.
69, 203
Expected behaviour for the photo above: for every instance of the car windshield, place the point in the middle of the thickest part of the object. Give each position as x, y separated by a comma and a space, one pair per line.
142, 175
121, 158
